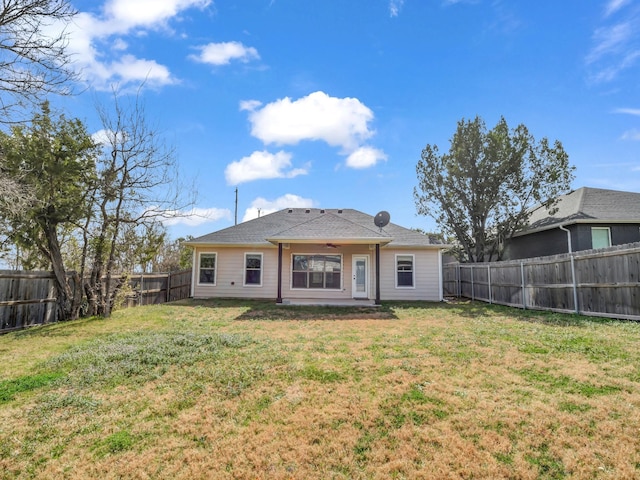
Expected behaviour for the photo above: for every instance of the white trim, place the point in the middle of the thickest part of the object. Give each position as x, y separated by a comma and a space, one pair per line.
194, 256
298, 289
244, 270
215, 270
440, 280
366, 275
413, 270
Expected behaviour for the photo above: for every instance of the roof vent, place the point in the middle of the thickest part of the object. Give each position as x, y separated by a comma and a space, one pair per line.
290, 210
321, 211
307, 211
339, 211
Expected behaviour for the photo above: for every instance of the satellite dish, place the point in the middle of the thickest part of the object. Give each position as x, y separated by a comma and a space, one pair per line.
382, 219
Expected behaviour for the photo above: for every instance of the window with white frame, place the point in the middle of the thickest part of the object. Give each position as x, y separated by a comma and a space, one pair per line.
253, 269
316, 271
600, 237
207, 268
405, 271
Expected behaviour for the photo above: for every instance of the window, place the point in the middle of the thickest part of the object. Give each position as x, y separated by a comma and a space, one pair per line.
253, 269
404, 271
316, 271
600, 237
207, 268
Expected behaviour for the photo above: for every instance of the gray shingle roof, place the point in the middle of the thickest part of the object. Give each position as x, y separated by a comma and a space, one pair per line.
588, 205
314, 224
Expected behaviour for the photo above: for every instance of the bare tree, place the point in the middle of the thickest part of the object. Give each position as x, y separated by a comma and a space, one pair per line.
34, 60
139, 184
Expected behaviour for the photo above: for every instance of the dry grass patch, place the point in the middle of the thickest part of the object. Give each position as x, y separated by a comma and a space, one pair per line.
225, 389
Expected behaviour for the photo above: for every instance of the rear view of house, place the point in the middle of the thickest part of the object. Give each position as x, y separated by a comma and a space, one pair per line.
318, 256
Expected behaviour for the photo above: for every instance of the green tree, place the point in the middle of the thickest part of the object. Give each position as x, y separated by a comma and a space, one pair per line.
482, 191
173, 255
54, 159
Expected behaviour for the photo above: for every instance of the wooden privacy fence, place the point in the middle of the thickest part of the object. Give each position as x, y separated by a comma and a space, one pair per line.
153, 288
26, 298
29, 298
604, 282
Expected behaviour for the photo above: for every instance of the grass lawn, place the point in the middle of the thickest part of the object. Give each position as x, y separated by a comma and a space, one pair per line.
224, 389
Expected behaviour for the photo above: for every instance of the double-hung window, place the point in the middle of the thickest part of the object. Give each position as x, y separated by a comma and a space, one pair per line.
207, 269
600, 237
316, 271
253, 269
405, 267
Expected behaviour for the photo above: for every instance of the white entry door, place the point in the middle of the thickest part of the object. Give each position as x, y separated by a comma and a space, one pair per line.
360, 274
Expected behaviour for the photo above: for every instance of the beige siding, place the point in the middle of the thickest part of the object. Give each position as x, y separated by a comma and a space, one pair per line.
230, 274
426, 275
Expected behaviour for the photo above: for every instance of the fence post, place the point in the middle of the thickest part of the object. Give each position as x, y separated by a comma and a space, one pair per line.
458, 281
575, 286
524, 290
140, 302
472, 286
489, 280
168, 287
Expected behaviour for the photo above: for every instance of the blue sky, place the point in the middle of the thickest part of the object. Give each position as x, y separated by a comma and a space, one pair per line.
329, 103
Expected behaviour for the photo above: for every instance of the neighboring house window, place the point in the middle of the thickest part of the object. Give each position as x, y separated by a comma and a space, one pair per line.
207, 268
600, 237
316, 271
404, 271
253, 269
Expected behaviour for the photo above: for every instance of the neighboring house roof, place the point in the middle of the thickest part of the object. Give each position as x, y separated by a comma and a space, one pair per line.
587, 205
315, 225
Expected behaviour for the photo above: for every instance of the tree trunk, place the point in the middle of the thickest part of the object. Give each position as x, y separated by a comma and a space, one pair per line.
68, 299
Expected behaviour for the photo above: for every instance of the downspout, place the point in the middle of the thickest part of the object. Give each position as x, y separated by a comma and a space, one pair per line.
279, 297
573, 269
378, 302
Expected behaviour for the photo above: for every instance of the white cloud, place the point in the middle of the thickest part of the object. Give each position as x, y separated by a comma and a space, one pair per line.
102, 137
395, 6
131, 69
250, 105
262, 165
365, 157
340, 122
615, 45
633, 134
196, 216
107, 137
224, 53
261, 206
628, 111
614, 5
100, 51
147, 13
